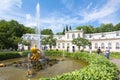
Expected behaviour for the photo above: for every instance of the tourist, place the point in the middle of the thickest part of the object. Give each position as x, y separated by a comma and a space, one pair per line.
107, 53
99, 51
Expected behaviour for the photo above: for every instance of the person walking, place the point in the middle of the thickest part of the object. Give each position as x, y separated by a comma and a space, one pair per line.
107, 53
99, 51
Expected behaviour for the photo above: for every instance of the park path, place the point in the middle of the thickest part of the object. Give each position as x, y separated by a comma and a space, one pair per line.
117, 62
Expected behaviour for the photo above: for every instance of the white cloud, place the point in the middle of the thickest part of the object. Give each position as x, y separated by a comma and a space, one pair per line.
102, 13
89, 5
9, 5
57, 21
68, 4
10, 9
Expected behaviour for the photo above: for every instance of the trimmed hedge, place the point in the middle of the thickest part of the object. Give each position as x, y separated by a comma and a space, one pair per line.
99, 67
8, 55
11, 55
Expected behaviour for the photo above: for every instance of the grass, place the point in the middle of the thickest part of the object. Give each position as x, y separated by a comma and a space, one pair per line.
115, 55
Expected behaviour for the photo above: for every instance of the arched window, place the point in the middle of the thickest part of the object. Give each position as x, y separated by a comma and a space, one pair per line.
78, 34
90, 36
63, 45
96, 45
117, 34
109, 45
58, 45
102, 46
117, 45
73, 36
67, 36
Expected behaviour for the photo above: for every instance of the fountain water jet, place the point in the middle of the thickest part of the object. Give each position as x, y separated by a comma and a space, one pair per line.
38, 25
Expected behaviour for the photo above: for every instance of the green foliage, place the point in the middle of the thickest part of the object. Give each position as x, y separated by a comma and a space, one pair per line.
25, 53
81, 42
117, 27
67, 28
106, 27
60, 33
24, 42
46, 32
70, 28
8, 55
99, 68
86, 29
102, 28
11, 55
115, 55
11, 33
29, 30
49, 41
63, 31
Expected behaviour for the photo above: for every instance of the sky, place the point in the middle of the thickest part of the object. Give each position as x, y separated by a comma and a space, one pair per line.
56, 14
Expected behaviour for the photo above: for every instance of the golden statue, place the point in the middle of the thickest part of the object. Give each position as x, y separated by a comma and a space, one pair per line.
35, 54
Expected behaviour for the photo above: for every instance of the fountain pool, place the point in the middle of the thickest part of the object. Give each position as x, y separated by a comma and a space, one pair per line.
13, 73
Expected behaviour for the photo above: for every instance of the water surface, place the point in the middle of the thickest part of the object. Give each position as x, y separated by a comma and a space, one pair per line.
68, 65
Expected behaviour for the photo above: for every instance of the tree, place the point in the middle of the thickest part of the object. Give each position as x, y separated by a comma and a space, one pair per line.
29, 30
70, 28
106, 27
67, 28
81, 42
63, 31
59, 33
11, 33
97, 30
117, 27
46, 32
49, 41
86, 29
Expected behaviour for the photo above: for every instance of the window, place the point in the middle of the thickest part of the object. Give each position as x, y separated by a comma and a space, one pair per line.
96, 45
54, 46
58, 45
117, 45
110, 45
60, 37
78, 34
103, 35
90, 47
63, 45
73, 36
90, 36
67, 45
67, 36
102, 46
28, 37
117, 34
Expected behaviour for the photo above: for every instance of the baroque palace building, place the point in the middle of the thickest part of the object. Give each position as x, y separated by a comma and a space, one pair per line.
64, 42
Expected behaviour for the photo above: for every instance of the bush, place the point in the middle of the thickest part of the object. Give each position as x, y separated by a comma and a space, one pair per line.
25, 53
99, 68
8, 55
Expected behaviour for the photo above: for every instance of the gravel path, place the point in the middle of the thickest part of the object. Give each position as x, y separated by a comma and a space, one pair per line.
117, 62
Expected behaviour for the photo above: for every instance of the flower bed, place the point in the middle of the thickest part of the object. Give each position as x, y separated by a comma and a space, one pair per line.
99, 67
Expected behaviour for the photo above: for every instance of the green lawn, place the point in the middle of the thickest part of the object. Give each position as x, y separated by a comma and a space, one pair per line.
115, 55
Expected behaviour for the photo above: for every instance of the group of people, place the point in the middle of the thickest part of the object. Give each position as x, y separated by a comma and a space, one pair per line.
106, 52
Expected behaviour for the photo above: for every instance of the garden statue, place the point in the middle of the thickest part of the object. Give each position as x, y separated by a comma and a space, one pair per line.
34, 58
36, 54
